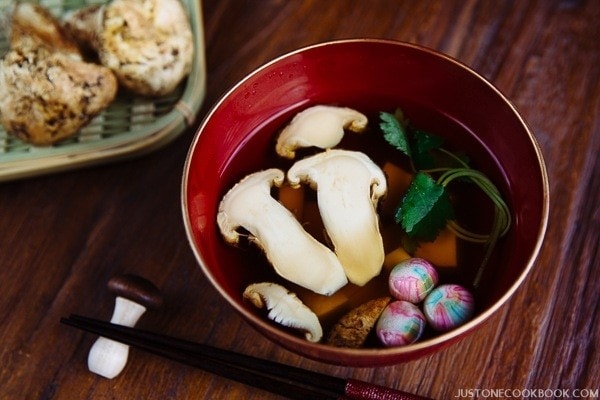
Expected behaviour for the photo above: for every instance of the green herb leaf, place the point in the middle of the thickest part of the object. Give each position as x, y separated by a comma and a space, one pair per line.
422, 145
425, 208
394, 132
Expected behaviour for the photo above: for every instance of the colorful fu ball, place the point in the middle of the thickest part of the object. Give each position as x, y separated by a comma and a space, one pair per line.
399, 324
412, 280
448, 306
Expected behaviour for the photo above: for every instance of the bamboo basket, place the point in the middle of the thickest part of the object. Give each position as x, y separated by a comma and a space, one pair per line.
130, 126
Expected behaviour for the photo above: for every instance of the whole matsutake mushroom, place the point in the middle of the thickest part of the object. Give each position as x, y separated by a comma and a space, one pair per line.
147, 43
285, 308
320, 126
134, 295
293, 252
349, 185
33, 25
48, 91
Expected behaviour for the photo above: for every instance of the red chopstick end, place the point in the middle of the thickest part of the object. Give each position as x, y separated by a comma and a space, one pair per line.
359, 390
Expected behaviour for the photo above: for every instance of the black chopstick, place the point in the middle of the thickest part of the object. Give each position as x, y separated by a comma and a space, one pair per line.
286, 380
249, 370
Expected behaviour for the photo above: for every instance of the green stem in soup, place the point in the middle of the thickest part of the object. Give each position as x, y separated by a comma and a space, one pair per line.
426, 208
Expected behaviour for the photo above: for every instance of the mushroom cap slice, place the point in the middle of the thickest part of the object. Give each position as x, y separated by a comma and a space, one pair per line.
349, 185
294, 254
285, 308
319, 126
147, 43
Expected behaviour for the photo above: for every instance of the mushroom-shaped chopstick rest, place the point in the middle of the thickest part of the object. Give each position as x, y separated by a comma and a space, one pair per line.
134, 295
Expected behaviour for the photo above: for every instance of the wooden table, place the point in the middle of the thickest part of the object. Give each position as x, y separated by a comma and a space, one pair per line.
64, 235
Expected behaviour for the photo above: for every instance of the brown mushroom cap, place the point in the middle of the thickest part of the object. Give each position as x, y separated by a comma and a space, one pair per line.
34, 25
136, 289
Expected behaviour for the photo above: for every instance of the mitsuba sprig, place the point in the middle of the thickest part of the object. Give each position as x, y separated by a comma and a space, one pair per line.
426, 207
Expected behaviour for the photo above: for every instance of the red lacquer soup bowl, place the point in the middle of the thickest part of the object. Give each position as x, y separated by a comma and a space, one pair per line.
437, 93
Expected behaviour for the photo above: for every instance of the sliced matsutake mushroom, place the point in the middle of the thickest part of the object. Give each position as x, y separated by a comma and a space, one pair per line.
319, 126
147, 43
285, 308
349, 185
294, 254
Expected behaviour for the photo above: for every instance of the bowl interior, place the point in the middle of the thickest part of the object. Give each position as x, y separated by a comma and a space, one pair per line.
439, 95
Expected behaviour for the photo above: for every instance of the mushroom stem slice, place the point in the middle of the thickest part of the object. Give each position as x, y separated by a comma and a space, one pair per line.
349, 185
285, 308
293, 252
319, 126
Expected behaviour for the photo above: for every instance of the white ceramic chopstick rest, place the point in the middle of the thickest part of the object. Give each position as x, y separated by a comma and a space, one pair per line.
134, 295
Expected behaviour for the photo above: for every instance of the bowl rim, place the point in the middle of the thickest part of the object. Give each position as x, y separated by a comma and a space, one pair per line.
394, 353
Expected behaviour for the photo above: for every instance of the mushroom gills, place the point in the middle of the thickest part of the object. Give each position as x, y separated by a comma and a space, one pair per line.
285, 308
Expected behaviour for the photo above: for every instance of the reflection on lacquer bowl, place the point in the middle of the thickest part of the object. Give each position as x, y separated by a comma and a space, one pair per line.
439, 95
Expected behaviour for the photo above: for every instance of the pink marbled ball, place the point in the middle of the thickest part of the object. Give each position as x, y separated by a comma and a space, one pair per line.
412, 280
448, 306
400, 323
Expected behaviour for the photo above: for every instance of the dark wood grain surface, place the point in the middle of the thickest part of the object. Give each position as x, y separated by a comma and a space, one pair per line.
63, 236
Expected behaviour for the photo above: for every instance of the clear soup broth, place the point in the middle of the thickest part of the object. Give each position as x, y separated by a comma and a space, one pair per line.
472, 208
